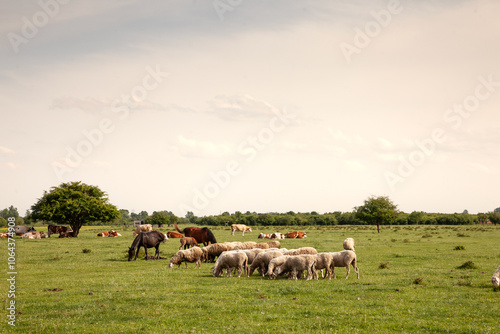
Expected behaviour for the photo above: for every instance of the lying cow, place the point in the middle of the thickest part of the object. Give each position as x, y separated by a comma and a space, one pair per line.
264, 236
53, 229
240, 228
109, 234
20, 230
143, 228
174, 235
295, 235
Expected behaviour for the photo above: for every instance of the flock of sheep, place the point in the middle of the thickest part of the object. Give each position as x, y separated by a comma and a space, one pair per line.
268, 258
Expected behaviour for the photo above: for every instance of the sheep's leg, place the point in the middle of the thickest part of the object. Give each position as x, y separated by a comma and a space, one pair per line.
355, 268
347, 269
333, 272
240, 269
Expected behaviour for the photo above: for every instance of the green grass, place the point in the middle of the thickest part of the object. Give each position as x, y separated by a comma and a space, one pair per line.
420, 291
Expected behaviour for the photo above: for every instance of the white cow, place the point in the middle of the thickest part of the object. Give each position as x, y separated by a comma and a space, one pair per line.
240, 227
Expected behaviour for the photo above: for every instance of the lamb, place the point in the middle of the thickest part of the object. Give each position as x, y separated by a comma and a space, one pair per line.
343, 259
277, 261
349, 244
191, 255
230, 260
300, 251
297, 264
188, 242
324, 261
261, 262
495, 280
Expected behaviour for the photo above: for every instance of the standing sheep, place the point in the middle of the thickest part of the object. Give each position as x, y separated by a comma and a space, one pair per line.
230, 260
261, 262
191, 255
324, 261
343, 259
277, 261
349, 244
297, 264
495, 280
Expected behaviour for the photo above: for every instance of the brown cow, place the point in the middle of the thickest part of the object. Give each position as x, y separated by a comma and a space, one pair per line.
174, 235
295, 235
52, 229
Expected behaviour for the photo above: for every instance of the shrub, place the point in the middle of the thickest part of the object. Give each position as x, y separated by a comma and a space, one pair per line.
467, 265
418, 280
383, 265
459, 248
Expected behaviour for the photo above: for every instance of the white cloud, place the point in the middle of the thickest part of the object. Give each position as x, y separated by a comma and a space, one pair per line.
202, 148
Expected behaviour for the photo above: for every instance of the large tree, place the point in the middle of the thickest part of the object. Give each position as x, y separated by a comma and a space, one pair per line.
76, 204
377, 210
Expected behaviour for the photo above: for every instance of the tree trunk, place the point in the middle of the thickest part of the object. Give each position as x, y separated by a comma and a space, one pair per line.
378, 227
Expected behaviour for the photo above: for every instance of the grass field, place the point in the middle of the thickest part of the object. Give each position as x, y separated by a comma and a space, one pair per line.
409, 282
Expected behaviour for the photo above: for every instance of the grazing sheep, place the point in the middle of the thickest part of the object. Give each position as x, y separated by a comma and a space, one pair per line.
263, 245
210, 252
246, 245
252, 253
297, 264
261, 262
191, 255
301, 251
343, 259
324, 261
274, 244
188, 242
230, 260
495, 280
349, 244
277, 261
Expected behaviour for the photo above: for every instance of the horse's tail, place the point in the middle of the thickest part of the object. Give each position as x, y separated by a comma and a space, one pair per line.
177, 228
210, 235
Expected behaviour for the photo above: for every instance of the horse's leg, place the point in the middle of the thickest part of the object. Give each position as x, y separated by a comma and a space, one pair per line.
158, 251
146, 251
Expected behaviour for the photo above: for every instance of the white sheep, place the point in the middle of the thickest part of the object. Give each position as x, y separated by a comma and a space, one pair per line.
191, 255
261, 262
277, 261
297, 264
230, 260
301, 251
324, 261
343, 259
349, 244
495, 280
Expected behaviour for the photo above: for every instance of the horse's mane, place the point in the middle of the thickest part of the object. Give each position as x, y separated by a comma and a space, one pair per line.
210, 235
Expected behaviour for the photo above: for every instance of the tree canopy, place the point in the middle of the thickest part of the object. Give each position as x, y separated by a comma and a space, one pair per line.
377, 210
76, 204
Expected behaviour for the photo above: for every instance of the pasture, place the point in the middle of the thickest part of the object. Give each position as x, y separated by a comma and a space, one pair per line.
409, 282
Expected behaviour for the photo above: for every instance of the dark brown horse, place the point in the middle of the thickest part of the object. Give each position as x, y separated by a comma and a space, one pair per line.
202, 235
146, 240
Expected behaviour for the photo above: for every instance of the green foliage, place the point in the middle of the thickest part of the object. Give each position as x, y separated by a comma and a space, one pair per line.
161, 218
377, 210
101, 292
76, 204
9, 212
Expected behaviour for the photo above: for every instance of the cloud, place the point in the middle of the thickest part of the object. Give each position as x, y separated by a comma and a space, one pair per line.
202, 148
6, 150
240, 108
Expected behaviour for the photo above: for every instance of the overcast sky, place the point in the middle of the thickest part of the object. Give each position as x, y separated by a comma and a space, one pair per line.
266, 106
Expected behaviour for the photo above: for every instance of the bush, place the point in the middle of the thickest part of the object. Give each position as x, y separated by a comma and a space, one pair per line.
459, 248
467, 265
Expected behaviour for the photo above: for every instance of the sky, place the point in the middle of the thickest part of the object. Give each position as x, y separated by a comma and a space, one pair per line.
260, 106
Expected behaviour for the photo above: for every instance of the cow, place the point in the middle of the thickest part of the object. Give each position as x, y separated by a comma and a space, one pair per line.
264, 236
143, 228
20, 230
66, 235
174, 235
52, 229
103, 234
4, 235
240, 228
295, 235
277, 236
114, 234
28, 235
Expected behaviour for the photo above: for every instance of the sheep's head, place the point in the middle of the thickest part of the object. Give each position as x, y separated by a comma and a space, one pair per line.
495, 281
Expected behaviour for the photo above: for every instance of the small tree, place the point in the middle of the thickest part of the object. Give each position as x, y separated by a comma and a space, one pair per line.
76, 204
377, 210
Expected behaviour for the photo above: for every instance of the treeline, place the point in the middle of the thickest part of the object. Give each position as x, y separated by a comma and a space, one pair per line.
339, 218
290, 218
